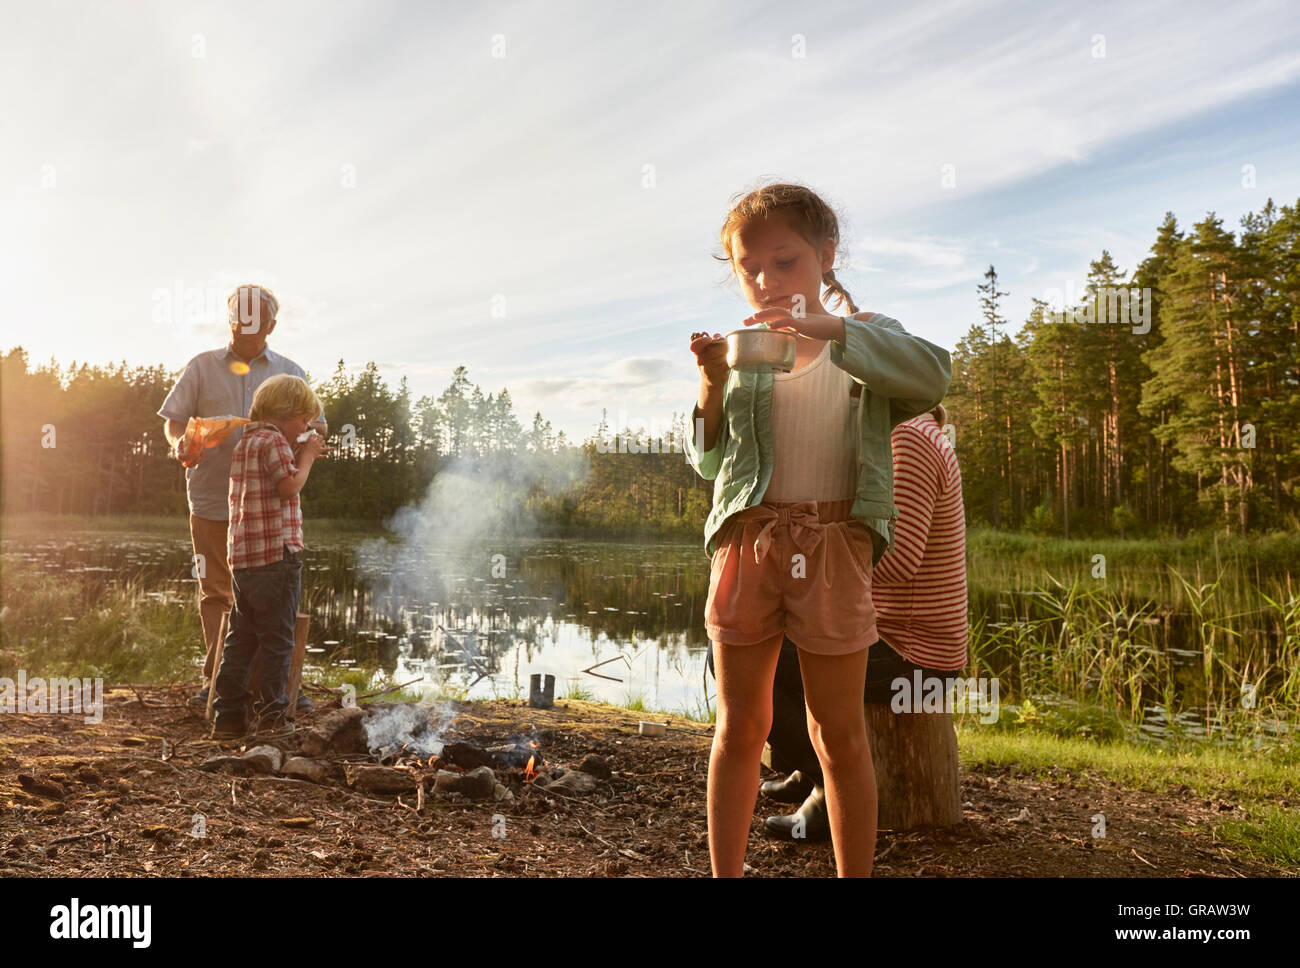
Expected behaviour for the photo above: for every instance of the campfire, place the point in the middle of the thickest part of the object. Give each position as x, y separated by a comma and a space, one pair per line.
408, 749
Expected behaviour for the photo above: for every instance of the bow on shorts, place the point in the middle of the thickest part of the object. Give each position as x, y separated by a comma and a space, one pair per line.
806, 527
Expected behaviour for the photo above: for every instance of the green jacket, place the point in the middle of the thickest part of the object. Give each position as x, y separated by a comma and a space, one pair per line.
901, 376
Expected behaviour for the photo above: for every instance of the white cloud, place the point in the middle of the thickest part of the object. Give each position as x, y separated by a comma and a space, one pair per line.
522, 176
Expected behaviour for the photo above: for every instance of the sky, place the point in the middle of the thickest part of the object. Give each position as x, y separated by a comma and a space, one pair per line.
535, 190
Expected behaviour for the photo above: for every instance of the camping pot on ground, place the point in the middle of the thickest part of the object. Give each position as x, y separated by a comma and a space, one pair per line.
760, 350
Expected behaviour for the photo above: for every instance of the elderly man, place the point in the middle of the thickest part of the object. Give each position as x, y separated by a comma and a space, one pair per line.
219, 383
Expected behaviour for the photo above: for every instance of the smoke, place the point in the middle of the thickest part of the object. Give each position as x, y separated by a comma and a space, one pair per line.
461, 524
419, 728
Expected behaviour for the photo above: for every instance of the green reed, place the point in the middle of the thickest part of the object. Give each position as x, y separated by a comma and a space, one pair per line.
1205, 636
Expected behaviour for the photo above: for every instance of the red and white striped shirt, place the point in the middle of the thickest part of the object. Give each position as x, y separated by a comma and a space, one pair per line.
262, 524
919, 587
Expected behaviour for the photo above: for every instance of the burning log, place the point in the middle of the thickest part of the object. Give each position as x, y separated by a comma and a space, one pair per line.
502, 756
466, 755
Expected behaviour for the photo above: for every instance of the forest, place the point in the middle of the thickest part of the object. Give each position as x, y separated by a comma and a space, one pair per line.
1158, 401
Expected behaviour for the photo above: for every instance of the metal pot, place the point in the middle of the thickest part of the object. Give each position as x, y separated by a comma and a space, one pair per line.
760, 351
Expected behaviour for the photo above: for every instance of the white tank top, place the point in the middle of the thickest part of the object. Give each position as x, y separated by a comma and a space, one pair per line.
814, 433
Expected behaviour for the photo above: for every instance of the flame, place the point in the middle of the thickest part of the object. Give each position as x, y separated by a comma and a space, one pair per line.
529, 773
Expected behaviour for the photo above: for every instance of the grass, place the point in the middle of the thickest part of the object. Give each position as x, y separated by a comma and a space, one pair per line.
1265, 787
1076, 640
576, 691
117, 631
43, 523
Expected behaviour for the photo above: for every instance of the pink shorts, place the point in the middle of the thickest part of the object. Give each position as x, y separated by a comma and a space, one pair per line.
803, 569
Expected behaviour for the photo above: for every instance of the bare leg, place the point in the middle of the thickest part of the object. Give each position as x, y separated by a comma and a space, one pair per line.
837, 725
744, 674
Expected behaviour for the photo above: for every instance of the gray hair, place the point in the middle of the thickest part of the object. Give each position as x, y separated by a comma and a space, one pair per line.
244, 305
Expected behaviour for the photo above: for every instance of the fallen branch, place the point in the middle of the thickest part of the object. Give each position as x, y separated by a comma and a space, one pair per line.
600, 675
385, 692
622, 850
69, 839
150, 704
22, 863
548, 792
1144, 860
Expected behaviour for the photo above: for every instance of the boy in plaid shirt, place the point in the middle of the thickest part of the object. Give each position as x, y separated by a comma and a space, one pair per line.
265, 546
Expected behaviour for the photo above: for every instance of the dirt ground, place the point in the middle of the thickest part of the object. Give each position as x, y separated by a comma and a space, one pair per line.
123, 798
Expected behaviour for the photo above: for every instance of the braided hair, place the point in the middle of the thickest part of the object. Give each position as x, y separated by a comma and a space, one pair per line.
808, 215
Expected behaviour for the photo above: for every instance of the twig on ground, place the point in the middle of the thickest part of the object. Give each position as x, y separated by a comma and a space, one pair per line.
21, 863
1144, 860
385, 692
622, 850
71, 837
148, 703
546, 792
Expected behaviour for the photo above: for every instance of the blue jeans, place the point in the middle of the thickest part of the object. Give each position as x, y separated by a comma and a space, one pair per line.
261, 626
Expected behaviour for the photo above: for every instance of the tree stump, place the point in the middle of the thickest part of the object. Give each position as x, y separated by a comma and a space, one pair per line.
915, 760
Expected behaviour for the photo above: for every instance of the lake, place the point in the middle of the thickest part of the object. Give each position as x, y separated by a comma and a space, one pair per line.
622, 621
467, 623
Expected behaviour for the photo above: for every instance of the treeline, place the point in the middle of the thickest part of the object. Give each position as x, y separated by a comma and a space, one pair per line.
1110, 413
87, 440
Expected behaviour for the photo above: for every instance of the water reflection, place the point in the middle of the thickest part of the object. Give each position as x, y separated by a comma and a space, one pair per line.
564, 607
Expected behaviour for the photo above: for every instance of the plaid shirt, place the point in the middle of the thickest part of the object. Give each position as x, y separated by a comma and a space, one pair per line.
262, 525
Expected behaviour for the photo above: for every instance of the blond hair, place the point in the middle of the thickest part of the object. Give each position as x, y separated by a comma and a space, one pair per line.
283, 396
247, 303
808, 215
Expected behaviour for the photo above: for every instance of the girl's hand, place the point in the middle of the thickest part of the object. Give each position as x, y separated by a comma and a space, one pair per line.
711, 357
776, 318
814, 327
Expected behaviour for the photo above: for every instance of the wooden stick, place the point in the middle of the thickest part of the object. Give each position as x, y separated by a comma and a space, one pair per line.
21, 863
1144, 860
601, 675
385, 692
146, 703
544, 791
216, 664
626, 853
71, 838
